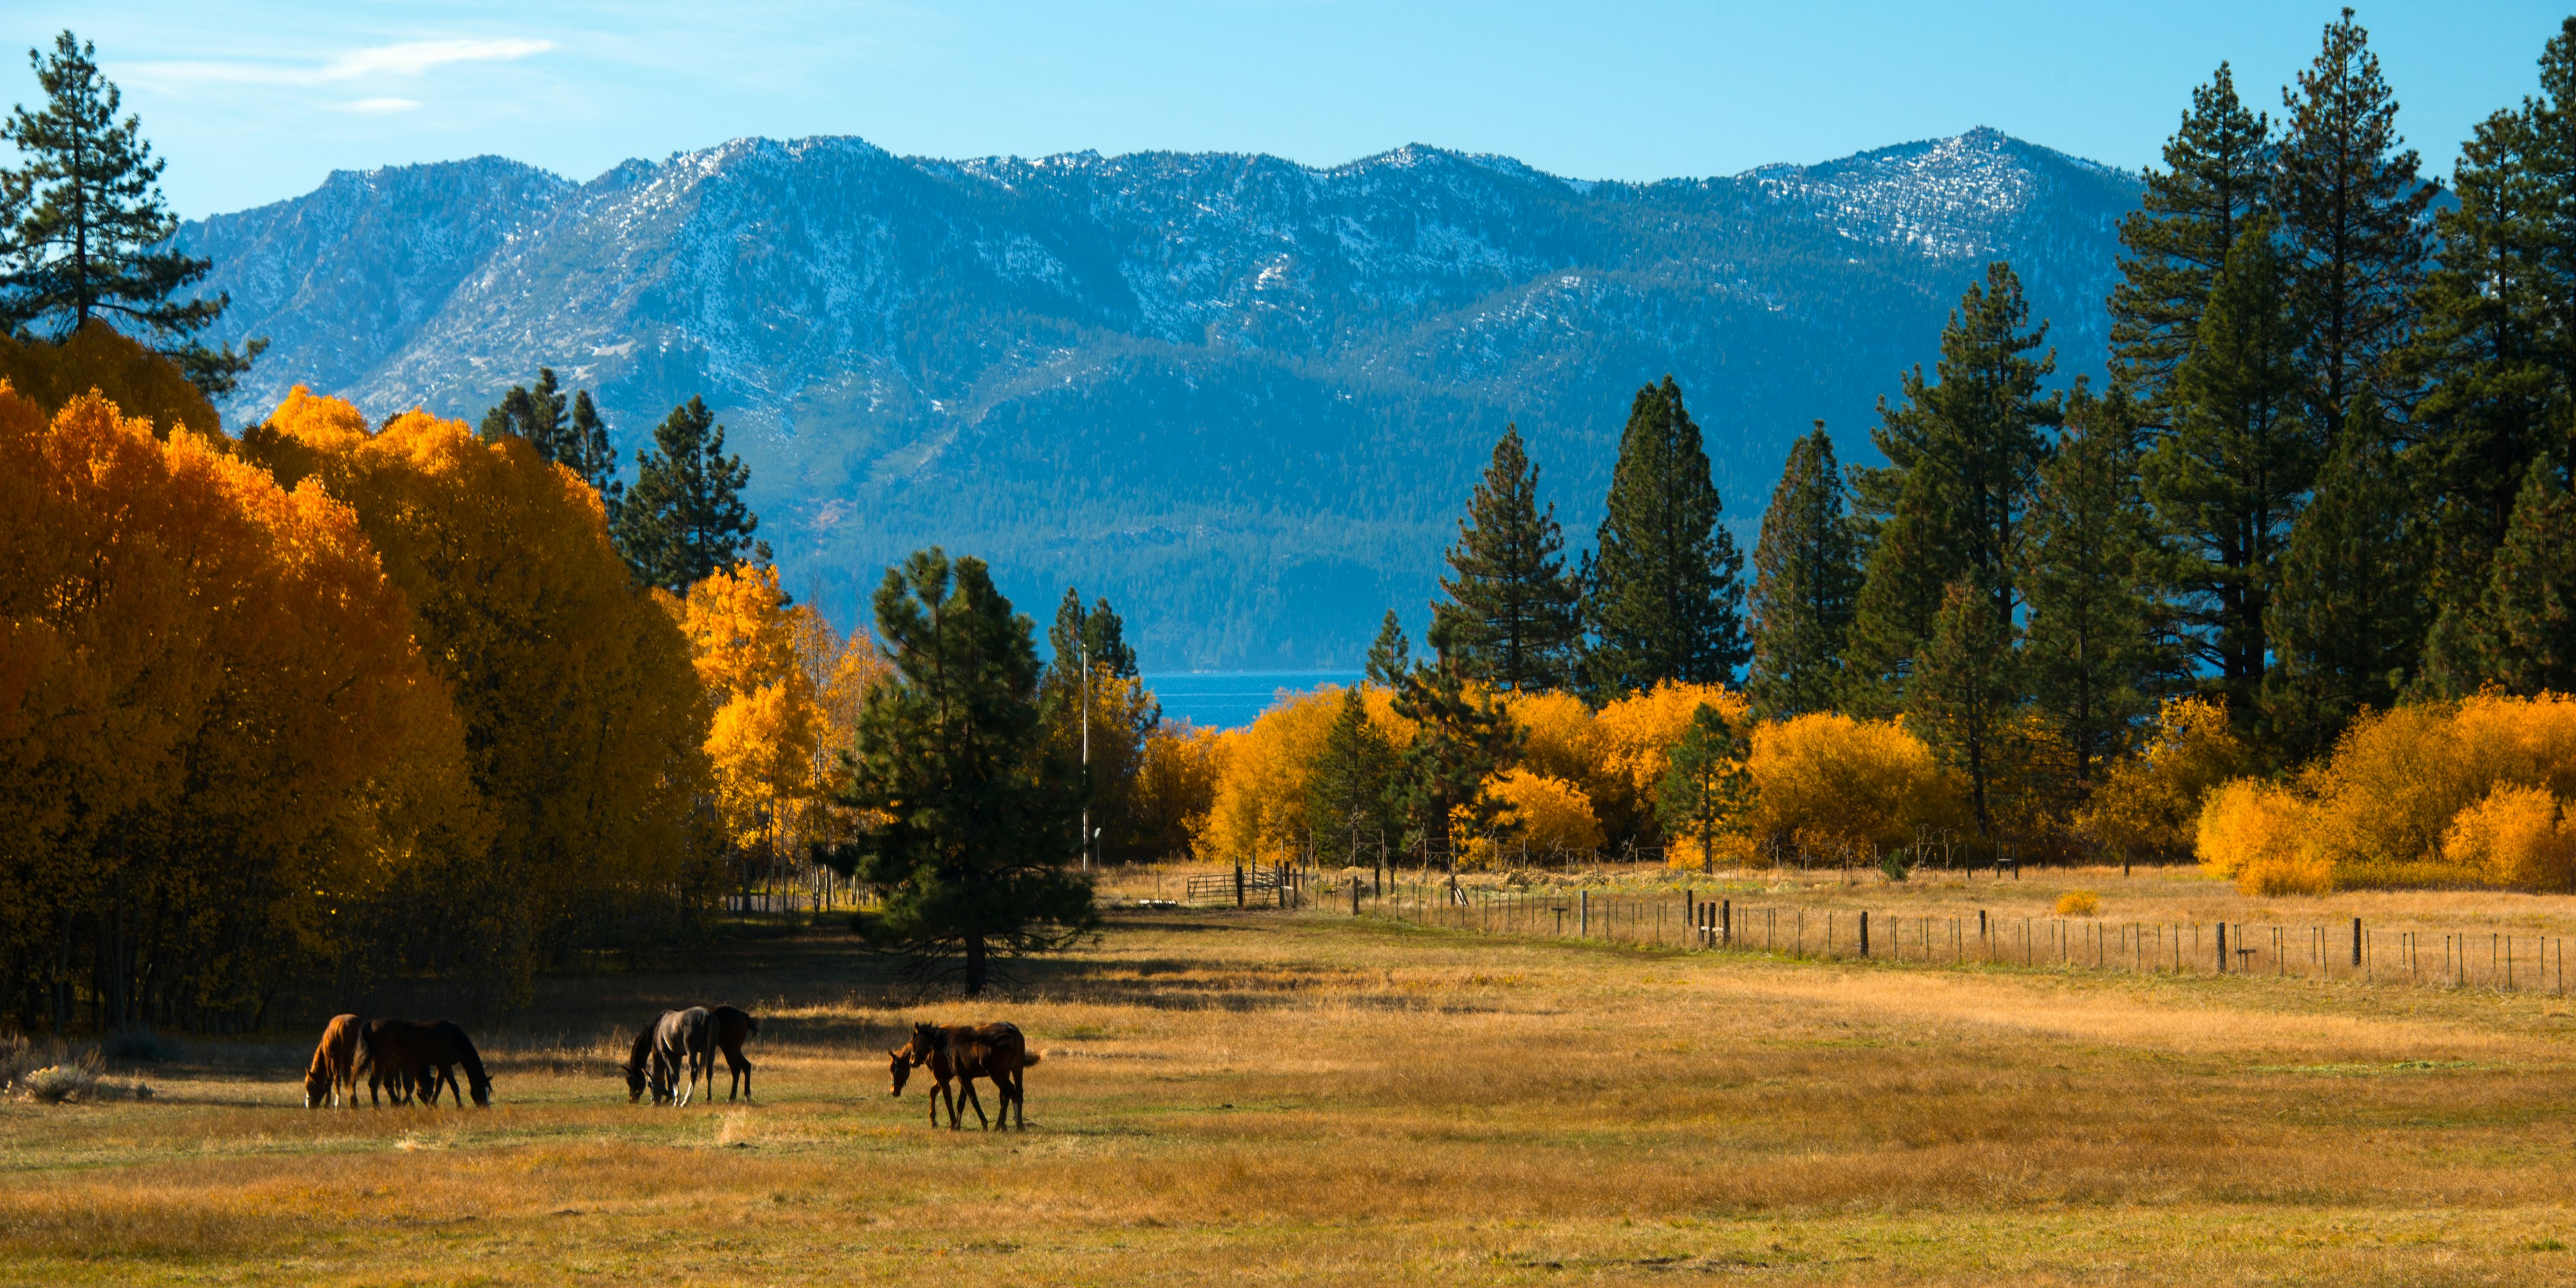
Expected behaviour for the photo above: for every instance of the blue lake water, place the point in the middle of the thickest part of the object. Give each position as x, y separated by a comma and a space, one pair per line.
1231, 699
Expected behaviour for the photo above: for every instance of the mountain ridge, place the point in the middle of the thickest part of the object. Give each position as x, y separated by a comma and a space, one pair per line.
1243, 397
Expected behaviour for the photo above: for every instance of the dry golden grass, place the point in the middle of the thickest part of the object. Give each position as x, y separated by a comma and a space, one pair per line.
1305, 1098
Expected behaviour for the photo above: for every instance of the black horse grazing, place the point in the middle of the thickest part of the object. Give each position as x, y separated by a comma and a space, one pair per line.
424, 1054
733, 1027
683, 1048
639, 1066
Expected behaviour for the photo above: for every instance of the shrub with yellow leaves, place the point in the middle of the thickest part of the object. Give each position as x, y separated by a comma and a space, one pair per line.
1547, 815
2254, 834
2148, 804
2517, 836
1631, 741
1826, 780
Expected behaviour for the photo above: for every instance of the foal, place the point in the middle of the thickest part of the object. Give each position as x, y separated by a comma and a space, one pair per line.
965, 1053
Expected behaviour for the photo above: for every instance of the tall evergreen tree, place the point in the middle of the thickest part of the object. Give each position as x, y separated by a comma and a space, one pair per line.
2228, 478
1806, 574
1965, 695
567, 432
1664, 594
1950, 505
1351, 792
1460, 739
1510, 615
2352, 220
979, 822
2521, 634
2093, 653
2346, 625
2217, 175
1097, 632
1390, 658
2495, 350
84, 232
686, 517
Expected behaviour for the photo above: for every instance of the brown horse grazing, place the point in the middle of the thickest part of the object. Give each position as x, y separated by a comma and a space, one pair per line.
905, 1059
335, 1066
995, 1051
639, 1064
684, 1046
732, 1027
396, 1083
425, 1054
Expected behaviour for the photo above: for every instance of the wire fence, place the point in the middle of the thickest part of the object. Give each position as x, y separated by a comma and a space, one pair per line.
2340, 950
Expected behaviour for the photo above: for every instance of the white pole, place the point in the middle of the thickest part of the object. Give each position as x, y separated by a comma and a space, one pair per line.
1082, 650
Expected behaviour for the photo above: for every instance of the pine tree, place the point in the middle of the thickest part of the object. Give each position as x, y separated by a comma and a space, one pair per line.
2228, 478
1965, 695
1949, 507
1806, 574
1706, 787
979, 823
2352, 220
1460, 739
2495, 350
2092, 656
1664, 594
1098, 633
1350, 792
2521, 635
1390, 658
2347, 624
1510, 616
2217, 174
84, 232
578, 440
536, 415
685, 517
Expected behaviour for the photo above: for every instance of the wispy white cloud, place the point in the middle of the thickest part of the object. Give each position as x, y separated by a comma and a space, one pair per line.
410, 58
380, 106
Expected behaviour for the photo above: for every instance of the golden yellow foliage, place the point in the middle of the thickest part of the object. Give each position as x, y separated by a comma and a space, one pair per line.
2079, 903
2149, 804
585, 719
2253, 834
101, 360
1259, 810
211, 707
2517, 836
1631, 740
1826, 779
766, 742
1557, 736
1176, 786
1545, 813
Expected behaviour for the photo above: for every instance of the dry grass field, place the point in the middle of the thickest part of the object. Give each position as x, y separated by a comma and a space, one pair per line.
1268, 1097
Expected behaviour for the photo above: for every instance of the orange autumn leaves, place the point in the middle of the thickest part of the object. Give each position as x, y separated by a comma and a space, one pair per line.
788, 692
211, 704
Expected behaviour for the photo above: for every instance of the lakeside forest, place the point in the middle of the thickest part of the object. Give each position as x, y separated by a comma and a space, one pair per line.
342, 697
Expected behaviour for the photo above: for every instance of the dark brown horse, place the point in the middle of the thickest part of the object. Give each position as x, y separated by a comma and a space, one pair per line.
683, 1048
333, 1077
968, 1052
733, 1026
639, 1067
904, 1059
425, 1054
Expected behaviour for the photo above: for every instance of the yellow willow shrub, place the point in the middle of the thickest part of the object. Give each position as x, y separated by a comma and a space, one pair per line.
2150, 804
1631, 739
1176, 787
219, 744
1548, 815
2256, 835
1823, 780
586, 720
1557, 736
1259, 810
2385, 800
2518, 837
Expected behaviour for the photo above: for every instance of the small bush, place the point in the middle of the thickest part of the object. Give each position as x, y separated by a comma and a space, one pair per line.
1896, 864
56, 1083
2515, 837
2256, 835
2078, 903
1828, 783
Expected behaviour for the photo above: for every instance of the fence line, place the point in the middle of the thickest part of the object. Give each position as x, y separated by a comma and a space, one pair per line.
2341, 951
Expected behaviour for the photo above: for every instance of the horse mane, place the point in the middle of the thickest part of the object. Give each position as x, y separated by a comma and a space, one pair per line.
466, 1055
642, 1054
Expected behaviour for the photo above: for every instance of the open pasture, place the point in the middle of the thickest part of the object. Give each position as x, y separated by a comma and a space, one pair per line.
1307, 1098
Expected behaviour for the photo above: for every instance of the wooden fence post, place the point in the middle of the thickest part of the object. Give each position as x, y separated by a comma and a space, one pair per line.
1864, 934
2222, 948
1583, 914
1355, 894
1726, 923
2356, 943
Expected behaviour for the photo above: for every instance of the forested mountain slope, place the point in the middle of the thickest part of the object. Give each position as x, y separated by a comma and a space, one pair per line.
1243, 398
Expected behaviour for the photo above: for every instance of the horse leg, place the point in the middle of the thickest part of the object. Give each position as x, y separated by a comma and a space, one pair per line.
982, 1123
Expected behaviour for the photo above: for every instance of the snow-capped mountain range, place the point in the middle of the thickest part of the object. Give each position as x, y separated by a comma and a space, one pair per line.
1243, 398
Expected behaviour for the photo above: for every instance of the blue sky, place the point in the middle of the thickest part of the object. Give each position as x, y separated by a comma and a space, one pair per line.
255, 102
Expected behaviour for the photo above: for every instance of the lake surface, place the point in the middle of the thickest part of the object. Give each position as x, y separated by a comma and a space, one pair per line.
1231, 699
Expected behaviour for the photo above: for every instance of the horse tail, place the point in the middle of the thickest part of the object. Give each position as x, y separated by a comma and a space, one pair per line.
1028, 1057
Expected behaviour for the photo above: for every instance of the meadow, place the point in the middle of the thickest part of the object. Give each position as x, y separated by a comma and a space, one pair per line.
1309, 1097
